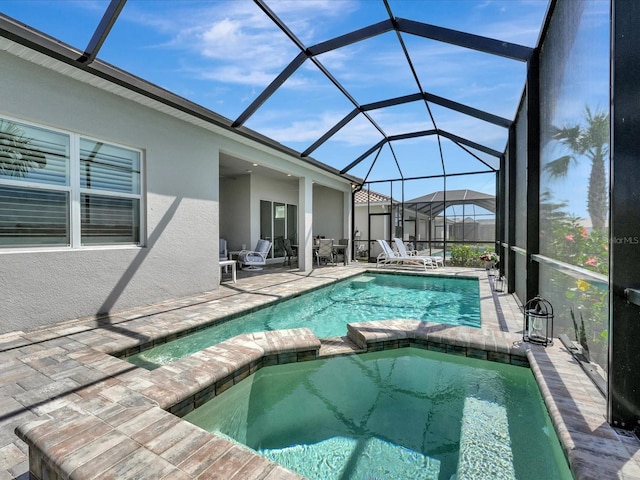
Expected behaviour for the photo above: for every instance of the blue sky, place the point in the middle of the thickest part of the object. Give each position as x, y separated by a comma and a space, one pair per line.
222, 54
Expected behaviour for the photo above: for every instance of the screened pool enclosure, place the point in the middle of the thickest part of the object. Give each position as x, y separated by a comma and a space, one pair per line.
514, 132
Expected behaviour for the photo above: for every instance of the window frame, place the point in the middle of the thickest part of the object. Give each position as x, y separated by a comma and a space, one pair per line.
75, 190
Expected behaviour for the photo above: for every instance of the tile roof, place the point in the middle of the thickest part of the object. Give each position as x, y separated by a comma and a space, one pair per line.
365, 195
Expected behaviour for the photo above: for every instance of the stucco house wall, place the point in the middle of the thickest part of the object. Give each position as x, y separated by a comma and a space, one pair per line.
42, 286
180, 201
235, 226
328, 213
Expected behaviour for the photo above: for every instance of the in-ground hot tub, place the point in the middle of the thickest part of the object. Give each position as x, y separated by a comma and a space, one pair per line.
404, 413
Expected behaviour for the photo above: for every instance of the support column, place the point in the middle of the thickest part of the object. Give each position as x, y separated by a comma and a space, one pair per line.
533, 173
305, 224
347, 228
501, 208
624, 248
511, 179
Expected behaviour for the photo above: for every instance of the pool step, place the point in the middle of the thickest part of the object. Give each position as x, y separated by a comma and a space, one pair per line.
336, 346
485, 444
361, 282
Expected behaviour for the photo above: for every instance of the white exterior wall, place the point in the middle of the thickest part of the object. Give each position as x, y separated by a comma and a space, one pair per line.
328, 214
235, 226
180, 202
361, 220
180, 174
379, 230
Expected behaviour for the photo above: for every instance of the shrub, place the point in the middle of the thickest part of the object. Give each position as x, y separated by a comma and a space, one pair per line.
463, 256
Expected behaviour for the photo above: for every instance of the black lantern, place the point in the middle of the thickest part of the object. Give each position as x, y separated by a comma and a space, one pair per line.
538, 321
498, 283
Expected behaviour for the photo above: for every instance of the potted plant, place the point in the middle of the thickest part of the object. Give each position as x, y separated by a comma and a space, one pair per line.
489, 259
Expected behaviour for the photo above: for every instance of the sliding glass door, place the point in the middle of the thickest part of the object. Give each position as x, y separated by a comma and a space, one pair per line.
277, 222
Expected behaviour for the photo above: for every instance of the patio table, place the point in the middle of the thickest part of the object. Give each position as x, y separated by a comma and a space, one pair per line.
226, 263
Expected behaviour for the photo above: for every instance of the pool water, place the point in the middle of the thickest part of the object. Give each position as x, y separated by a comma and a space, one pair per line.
328, 310
395, 414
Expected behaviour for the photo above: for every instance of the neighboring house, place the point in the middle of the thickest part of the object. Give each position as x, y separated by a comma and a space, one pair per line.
469, 215
126, 189
421, 220
371, 219
471, 229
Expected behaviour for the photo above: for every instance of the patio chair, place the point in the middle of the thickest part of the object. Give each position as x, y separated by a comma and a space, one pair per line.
389, 257
289, 252
325, 250
343, 251
402, 250
255, 259
278, 246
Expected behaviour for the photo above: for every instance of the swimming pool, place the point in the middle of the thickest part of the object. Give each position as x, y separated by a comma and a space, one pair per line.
395, 414
328, 310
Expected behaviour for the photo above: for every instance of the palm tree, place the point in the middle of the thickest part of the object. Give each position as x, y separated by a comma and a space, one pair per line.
590, 140
17, 156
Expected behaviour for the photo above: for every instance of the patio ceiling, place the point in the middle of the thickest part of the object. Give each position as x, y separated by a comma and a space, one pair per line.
358, 125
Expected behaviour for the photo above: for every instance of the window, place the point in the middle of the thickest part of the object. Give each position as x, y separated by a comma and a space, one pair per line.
61, 189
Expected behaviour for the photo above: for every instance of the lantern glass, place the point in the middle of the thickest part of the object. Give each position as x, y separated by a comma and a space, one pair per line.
538, 322
498, 284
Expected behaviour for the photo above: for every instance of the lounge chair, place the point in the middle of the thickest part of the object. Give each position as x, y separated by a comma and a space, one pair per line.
255, 259
439, 261
389, 257
402, 250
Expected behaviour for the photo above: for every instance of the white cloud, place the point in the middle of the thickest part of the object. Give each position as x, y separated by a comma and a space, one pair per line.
236, 41
302, 129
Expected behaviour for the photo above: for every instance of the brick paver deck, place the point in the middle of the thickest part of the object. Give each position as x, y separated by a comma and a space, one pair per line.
88, 414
